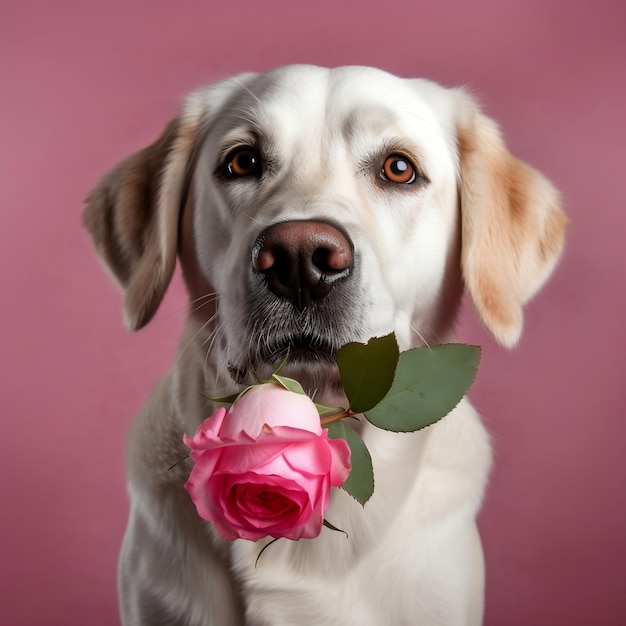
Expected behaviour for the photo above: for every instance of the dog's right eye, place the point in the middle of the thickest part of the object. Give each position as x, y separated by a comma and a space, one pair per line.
398, 169
242, 162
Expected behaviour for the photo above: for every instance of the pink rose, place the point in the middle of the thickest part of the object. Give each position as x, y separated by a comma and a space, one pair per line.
266, 466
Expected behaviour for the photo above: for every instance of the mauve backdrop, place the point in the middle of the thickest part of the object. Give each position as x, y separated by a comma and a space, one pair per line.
85, 84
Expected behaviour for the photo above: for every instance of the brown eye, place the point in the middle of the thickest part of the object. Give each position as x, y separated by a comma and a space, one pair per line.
398, 169
242, 162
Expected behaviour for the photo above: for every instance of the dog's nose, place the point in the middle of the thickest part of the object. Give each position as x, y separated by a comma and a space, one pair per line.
302, 260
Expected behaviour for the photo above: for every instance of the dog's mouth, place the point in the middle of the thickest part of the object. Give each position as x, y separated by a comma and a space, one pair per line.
307, 340
302, 354
302, 349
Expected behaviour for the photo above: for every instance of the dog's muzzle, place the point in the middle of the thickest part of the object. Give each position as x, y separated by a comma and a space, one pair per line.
303, 260
301, 302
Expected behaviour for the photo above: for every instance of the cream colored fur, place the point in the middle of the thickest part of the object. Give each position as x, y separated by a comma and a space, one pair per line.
480, 218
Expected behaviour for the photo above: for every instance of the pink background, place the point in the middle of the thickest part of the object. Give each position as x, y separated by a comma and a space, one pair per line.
84, 84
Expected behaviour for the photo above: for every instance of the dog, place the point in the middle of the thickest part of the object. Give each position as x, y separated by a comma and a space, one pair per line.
308, 208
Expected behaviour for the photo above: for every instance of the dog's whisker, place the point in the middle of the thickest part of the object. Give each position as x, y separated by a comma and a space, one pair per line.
187, 307
195, 335
211, 340
203, 304
201, 301
212, 333
209, 350
422, 338
206, 296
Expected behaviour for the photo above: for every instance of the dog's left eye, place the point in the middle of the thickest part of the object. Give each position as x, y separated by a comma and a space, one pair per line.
398, 169
242, 162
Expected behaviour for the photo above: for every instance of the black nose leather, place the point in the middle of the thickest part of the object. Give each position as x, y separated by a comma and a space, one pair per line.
303, 260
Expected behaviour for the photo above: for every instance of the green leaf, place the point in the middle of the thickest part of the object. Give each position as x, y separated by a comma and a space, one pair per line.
281, 364
223, 399
230, 399
327, 411
360, 481
367, 370
289, 383
428, 384
329, 525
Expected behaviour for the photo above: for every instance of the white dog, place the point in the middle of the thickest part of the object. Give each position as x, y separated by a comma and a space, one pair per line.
309, 208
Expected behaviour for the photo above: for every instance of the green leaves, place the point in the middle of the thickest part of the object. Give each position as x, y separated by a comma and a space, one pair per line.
404, 392
398, 392
288, 383
360, 482
428, 384
367, 370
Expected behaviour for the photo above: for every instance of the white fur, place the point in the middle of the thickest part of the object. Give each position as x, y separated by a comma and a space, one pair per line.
413, 554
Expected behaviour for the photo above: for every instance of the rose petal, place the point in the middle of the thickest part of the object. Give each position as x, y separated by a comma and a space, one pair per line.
272, 405
207, 433
266, 466
311, 457
264, 504
199, 484
243, 513
311, 528
341, 466
239, 459
287, 433
273, 470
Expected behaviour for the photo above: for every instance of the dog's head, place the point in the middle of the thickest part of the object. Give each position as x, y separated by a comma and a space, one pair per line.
327, 206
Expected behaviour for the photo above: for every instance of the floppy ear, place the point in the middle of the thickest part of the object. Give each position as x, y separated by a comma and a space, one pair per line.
512, 227
133, 214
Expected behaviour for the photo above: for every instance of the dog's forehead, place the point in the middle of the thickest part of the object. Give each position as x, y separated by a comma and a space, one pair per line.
346, 100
